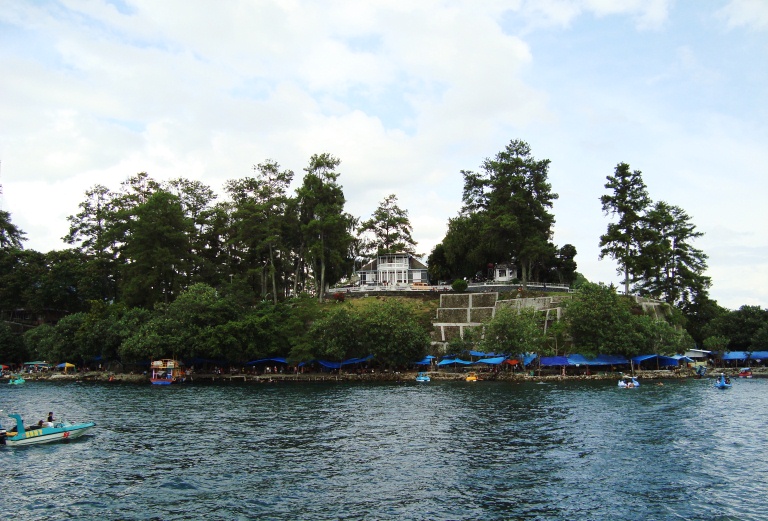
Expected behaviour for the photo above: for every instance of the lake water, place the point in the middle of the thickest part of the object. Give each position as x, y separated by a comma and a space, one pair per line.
442, 450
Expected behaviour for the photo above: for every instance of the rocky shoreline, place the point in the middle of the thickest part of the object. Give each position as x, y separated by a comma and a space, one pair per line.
532, 376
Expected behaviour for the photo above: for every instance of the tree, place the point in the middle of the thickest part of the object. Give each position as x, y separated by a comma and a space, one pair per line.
623, 239
514, 331
326, 228
391, 330
514, 197
599, 321
260, 209
157, 251
672, 269
438, 268
391, 228
10, 235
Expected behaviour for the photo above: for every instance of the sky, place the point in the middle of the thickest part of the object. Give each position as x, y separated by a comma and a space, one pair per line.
407, 95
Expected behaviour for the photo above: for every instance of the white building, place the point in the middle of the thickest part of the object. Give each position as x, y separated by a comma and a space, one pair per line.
393, 269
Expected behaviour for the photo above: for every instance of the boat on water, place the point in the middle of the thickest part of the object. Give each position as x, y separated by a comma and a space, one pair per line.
472, 377
628, 382
44, 432
167, 371
701, 371
745, 372
723, 382
422, 377
16, 379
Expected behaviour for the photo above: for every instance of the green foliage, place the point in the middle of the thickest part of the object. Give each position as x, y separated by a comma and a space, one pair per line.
11, 237
12, 349
623, 240
514, 331
739, 326
459, 285
598, 320
391, 229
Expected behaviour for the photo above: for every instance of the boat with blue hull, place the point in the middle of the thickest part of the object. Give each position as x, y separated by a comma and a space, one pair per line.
422, 377
45, 432
723, 382
16, 380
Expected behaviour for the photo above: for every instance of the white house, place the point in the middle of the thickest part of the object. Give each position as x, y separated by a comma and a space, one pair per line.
392, 269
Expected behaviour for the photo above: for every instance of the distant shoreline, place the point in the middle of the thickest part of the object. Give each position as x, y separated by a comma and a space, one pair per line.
102, 376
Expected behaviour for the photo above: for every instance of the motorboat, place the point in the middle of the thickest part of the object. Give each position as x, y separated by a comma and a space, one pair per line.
723, 382
422, 377
745, 372
472, 377
166, 372
43, 432
628, 382
16, 380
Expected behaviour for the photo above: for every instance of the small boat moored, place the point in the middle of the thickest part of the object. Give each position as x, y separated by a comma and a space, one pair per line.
723, 382
745, 372
422, 377
44, 432
16, 379
472, 377
166, 372
628, 382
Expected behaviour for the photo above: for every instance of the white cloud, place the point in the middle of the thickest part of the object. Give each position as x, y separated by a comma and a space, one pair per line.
406, 94
746, 13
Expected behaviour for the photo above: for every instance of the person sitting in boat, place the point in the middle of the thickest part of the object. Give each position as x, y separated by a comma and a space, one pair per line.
727, 380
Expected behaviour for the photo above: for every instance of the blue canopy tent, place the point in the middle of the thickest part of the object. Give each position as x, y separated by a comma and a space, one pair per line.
661, 361
492, 361
449, 361
265, 360
339, 365
427, 360
553, 361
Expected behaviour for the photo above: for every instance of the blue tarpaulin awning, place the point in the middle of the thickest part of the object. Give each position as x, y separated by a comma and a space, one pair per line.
548, 361
492, 361
449, 361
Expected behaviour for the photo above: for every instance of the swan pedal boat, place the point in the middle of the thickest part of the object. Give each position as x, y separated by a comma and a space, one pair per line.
722, 382
60, 431
628, 383
745, 372
422, 377
16, 380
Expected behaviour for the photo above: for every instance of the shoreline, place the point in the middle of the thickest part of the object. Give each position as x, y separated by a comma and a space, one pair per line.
102, 376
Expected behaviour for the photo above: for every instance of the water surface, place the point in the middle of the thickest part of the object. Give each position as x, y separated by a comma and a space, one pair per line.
442, 450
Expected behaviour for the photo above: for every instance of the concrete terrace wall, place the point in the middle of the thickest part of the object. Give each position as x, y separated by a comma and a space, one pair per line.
458, 312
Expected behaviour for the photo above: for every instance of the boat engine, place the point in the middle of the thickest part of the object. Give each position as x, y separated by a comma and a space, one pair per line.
2, 436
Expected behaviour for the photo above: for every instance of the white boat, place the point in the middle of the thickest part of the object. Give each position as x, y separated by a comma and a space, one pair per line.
45, 432
628, 382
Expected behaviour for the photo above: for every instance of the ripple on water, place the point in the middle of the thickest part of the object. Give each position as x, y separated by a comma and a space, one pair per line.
447, 450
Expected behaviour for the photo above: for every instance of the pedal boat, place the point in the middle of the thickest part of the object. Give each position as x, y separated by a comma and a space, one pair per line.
422, 377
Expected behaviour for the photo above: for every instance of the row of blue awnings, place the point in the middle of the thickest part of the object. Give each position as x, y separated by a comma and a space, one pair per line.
324, 363
746, 355
570, 360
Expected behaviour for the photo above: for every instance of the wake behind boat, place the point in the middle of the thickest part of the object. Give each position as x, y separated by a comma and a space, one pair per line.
43, 433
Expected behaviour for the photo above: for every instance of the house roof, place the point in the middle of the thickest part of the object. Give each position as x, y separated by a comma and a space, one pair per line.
413, 263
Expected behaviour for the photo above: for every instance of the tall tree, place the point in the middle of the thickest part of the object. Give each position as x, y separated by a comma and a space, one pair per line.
515, 198
326, 228
391, 228
157, 251
10, 235
623, 240
672, 269
89, 232
260, 209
